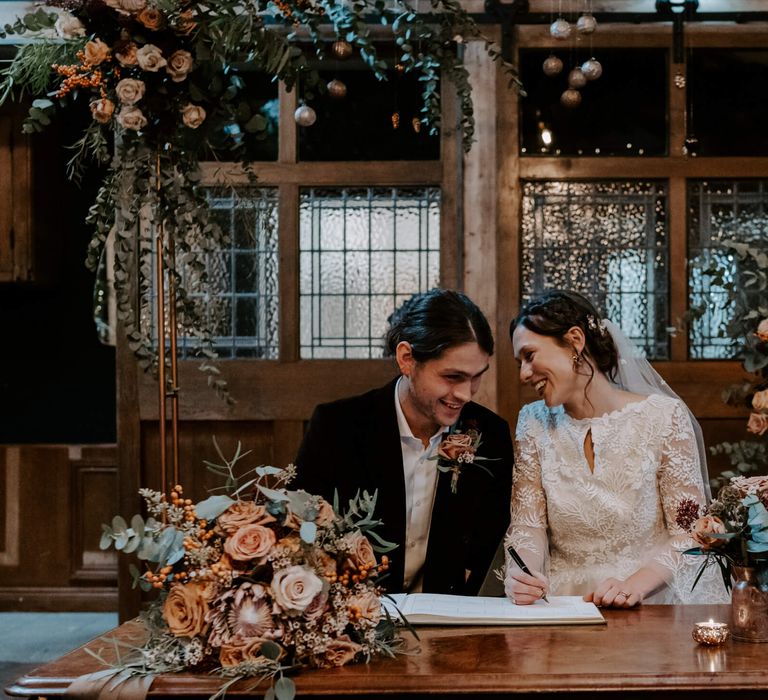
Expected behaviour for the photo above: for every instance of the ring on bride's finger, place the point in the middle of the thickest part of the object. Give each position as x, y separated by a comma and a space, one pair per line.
626, 595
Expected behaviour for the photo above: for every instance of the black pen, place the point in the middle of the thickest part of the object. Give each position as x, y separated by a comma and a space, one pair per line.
519, 561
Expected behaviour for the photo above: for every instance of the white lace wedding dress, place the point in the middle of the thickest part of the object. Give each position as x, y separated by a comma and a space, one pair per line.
580, 527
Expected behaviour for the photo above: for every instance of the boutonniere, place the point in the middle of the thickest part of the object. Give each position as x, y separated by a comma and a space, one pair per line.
458, 450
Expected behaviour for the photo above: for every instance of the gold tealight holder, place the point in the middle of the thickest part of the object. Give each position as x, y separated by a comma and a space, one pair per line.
711, 633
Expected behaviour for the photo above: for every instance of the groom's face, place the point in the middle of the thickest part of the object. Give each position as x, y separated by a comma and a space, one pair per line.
439, 388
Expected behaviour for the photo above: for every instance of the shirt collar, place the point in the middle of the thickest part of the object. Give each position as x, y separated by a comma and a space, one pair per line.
402, 423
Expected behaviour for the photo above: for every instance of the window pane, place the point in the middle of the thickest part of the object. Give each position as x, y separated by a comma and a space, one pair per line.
363, 251
360, 126
727, 91
622, 113
718, 211
607, 240
240, 297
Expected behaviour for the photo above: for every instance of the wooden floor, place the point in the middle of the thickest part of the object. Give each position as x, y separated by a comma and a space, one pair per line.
31, 639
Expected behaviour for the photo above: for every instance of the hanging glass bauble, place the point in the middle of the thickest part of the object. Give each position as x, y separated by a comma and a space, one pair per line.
341, 49
560, 29
592, 69
552, 66
586, 24
577, 79
571, 98
305, 115
337, 89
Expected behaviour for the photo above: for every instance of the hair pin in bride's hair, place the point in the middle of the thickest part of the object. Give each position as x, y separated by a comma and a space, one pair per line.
595, 325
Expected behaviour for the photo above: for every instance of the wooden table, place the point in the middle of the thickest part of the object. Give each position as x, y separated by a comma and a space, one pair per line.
638, 654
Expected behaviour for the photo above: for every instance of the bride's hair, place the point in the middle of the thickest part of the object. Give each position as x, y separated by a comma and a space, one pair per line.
554, 312
434, 321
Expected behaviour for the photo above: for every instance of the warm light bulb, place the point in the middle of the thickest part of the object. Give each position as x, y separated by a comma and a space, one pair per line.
546, 137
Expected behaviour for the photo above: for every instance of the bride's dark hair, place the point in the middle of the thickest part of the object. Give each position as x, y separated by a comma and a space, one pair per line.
554, 312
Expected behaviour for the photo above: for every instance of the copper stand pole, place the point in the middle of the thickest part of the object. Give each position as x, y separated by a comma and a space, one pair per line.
174, 392
160, 273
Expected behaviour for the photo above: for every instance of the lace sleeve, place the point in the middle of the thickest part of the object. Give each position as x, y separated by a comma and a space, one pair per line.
679, 477
528, 528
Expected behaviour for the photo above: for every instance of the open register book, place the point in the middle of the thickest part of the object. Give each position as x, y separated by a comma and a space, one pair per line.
439, 609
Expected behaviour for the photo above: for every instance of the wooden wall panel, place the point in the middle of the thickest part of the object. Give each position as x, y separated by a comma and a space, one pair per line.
49, 559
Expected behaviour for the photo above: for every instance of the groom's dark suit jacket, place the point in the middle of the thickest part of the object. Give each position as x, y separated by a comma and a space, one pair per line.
354, 444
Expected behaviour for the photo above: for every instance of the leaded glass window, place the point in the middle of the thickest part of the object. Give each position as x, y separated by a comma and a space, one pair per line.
718, 211
363, 251
607, 240
240, 297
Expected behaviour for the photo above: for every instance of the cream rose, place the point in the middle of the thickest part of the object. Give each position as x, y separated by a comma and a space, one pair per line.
192, 115
126, 55
185, 609
760, 401
294, 588
132, 5
762, 330
102, 110
179, 65
366, 605
131, 118
68, 26
130, 91
360, 550
150, 58
151, 18
757, 423
250, 542
341, 651
454, 445
243, 513
705, 526
96, 52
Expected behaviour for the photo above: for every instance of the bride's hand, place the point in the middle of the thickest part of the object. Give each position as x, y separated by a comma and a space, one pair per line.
615, 593
523, 589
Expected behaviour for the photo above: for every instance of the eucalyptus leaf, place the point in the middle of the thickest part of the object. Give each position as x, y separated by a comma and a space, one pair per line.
308, 532
285, 688
213, 506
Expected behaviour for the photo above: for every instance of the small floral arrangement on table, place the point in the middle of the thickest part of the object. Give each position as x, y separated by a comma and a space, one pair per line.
733, 529
456, 451
256, 582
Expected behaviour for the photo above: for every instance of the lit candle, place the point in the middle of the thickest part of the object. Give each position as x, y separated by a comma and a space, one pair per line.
711, 633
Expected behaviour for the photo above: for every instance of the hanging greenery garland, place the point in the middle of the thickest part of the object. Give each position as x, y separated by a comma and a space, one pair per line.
164, 83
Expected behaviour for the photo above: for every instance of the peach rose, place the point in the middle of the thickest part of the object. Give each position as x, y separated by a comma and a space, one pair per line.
250, 542
237, 653
454, 445
758, 423
290, 542
760, 401
126, 54
341, 651
185, 609
762, 330
130, 91
295, 587
366, 605
150, 58
708, 525
131, 118
96, 52
360, 549
151, 18
192, 115
185, 24
243, 513
102, 110
325, 513
317, 607
179, 65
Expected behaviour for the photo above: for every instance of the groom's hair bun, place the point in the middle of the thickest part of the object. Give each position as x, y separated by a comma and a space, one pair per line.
433, 321
554, 312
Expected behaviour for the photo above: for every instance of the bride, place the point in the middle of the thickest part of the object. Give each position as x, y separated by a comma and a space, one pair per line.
602, 462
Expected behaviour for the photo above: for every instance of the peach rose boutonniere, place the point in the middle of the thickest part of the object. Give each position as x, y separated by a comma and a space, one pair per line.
457, 451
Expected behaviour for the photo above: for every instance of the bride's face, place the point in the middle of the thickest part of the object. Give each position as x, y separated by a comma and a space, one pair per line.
547, 366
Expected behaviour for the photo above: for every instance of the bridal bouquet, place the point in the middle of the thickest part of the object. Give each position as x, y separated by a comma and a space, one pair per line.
257, 581
733, 529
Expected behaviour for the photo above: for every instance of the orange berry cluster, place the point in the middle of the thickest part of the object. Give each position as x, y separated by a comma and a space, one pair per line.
158, 580
78, 76
184, 503
352, 574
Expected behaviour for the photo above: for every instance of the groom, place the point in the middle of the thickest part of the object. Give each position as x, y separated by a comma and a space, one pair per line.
446, 522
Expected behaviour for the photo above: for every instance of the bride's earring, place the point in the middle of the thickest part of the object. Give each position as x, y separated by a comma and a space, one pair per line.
576, 358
